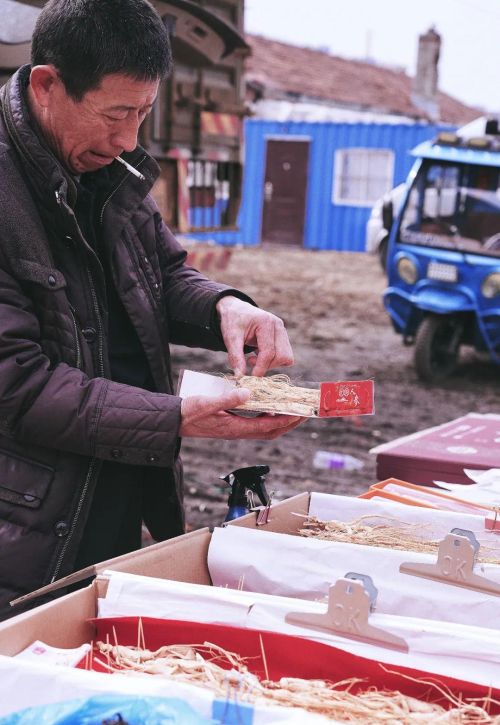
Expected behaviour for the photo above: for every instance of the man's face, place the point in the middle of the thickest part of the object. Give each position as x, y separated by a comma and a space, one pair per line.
88, 134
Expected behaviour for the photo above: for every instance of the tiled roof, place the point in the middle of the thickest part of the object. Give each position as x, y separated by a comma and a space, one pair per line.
287, 71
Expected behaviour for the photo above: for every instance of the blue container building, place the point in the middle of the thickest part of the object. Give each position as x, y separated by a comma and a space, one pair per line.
346, 168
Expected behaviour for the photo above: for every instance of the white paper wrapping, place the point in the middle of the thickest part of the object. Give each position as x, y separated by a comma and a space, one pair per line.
294, 566
194, 383
485, 490
464, 652
131, 595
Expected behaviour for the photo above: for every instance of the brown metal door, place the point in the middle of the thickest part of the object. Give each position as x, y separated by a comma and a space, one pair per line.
285, 189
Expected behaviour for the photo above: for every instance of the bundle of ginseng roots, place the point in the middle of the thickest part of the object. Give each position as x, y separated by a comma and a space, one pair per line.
389, 534
198, 665
276, 394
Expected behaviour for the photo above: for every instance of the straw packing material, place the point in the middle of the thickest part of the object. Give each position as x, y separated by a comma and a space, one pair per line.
197, 664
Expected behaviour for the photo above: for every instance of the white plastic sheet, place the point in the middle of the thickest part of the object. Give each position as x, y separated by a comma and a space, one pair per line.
294, 566
27, 684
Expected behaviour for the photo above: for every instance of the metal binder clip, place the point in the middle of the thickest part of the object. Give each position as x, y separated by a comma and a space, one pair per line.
263, 513
455, 564
350, 601
368, 584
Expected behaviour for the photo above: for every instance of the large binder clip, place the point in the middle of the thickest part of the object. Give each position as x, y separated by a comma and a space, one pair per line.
350, 601
455, 564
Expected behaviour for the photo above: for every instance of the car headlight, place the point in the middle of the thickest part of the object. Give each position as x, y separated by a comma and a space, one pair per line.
491, 285
407, 270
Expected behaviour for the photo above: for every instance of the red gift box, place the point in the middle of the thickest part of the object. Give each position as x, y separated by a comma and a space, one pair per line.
441, 453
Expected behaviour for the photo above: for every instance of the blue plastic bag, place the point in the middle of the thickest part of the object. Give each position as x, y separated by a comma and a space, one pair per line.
110, 709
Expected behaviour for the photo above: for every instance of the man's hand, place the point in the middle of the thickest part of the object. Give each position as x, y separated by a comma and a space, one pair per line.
243, 324
206, 417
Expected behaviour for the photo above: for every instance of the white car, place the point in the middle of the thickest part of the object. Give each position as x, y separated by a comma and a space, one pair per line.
377, 235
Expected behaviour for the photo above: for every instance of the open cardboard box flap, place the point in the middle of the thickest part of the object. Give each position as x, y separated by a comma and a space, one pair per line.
159, 560
63, 621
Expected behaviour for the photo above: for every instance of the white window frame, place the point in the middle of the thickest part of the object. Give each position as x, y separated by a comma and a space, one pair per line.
364, 153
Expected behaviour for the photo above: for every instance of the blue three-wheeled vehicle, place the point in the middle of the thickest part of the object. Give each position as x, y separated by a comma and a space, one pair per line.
443, 260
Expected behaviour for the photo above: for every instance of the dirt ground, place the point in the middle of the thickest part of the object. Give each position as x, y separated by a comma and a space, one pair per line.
331, 303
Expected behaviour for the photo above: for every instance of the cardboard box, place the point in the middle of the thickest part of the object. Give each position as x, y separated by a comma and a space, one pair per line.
441, 453
66, 622
62, 622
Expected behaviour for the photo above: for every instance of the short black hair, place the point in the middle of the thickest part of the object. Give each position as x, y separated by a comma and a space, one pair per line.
88, 39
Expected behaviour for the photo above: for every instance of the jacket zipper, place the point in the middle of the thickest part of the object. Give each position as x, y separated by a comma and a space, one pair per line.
100, 353
92, 464
78, 351
90, 473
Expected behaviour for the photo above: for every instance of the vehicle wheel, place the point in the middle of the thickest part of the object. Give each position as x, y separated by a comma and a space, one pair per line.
382, 252
437, 347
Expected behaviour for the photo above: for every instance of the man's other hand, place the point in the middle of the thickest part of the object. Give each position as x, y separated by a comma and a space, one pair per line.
207, 417
243, 324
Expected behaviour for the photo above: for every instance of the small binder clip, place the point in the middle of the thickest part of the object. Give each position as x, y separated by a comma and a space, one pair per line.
492, 521
350, 601
263, 513
455, 564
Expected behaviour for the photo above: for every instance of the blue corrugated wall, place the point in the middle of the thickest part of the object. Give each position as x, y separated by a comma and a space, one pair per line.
327, 226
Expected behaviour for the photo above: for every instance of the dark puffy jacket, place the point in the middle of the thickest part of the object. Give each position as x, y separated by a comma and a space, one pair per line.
60, 415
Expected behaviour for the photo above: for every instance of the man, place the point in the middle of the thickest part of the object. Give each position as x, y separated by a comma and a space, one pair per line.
93, 287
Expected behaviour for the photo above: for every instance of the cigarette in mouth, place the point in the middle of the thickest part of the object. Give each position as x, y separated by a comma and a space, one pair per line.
130, 168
